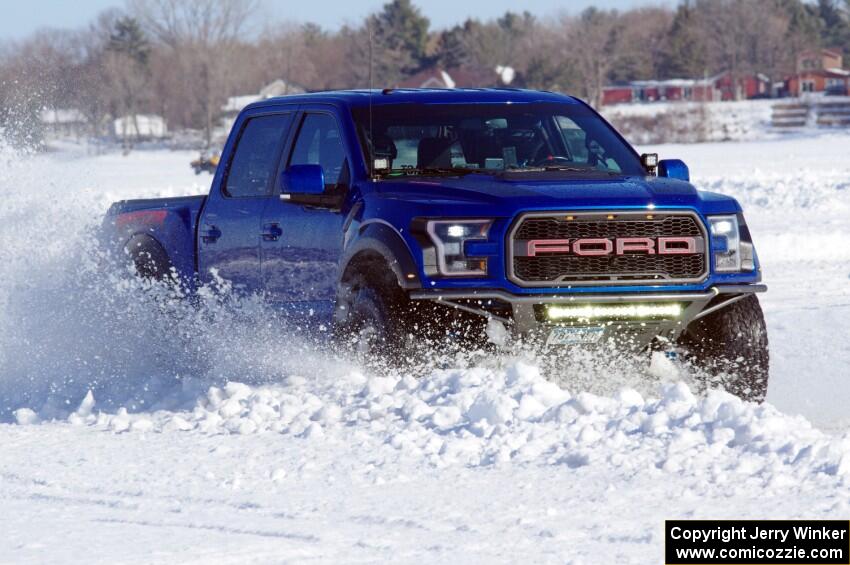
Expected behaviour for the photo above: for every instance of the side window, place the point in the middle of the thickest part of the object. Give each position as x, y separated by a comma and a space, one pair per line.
256, 156
319, 143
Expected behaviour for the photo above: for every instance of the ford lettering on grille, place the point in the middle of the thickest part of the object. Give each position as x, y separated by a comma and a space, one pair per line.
618, 246
607, 248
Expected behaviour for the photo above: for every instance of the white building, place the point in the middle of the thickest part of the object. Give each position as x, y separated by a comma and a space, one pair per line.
140, 126
63, 122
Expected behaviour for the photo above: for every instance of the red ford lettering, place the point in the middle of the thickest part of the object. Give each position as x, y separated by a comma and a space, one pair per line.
592, 247
635, 244
677, 245
589, 247
538, 246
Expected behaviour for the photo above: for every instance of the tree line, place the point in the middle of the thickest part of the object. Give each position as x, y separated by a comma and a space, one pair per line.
183, 59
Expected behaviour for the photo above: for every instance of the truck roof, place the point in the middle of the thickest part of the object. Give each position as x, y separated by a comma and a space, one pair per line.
355, 98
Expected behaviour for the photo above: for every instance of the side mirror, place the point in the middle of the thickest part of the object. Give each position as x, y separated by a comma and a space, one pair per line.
302, 179
674, 169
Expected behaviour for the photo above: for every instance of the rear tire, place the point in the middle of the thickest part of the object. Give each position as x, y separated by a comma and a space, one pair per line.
149, 258
731, 347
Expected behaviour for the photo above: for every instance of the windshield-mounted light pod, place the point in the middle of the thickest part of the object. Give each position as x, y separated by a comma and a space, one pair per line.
450, 237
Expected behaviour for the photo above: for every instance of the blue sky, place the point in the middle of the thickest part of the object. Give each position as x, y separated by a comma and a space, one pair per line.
19, 18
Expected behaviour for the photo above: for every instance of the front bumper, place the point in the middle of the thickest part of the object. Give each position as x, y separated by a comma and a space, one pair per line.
522, 312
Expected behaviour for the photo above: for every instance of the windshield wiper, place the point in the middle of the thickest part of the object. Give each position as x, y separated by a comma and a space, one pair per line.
436, 171
559, 168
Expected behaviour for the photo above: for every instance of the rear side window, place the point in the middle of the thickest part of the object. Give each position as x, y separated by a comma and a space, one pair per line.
256, 156
319, 143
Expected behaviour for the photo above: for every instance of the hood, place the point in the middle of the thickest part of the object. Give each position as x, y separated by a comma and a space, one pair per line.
501, 197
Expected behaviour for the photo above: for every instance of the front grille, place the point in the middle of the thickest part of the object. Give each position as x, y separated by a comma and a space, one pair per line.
557, 228
557, 269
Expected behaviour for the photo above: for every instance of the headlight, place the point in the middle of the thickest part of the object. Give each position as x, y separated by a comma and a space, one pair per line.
450, 237
731, 253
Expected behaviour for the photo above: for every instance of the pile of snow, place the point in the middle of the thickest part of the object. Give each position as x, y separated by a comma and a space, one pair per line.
481, 417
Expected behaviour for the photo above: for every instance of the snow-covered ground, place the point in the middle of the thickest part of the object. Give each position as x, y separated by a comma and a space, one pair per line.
743, 120
141, 432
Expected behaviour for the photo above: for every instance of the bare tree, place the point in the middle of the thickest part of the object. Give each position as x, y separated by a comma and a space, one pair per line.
203, 37
641, 43
286, 51
591, 48
742, 36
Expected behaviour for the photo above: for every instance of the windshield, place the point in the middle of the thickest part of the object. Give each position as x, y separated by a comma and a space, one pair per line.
418, 139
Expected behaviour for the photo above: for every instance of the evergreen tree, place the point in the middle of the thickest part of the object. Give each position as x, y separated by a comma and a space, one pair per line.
452, 49
400, 36
836, 25
128, 70
804, 27
685, 54
128, 39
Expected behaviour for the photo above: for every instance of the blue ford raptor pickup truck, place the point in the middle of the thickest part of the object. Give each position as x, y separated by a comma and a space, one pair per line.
396, 215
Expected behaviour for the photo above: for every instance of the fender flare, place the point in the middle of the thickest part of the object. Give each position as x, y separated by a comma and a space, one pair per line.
382, 238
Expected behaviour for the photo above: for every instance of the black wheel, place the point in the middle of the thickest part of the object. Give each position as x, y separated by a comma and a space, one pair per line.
371, 319
730, 346
384, 328
149, 258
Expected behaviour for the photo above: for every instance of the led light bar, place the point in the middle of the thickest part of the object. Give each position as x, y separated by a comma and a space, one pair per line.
618, 311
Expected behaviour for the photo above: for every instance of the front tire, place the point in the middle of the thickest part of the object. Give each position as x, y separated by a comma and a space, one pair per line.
730, 347
371, 319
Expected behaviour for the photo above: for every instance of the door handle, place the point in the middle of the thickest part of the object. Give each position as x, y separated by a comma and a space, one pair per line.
210, 234
271, 232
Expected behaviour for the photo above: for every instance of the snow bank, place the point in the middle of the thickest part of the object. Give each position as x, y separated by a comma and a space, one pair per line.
481, 417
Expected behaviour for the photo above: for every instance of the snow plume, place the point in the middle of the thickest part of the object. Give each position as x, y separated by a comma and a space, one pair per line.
70, 324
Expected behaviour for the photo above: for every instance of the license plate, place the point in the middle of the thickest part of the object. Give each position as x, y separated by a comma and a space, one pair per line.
572, 335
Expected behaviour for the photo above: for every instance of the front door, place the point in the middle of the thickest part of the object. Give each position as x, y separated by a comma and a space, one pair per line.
230, 227
300, 265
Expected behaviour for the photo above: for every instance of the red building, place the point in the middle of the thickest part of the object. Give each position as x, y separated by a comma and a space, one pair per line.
718, 87
819, 71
